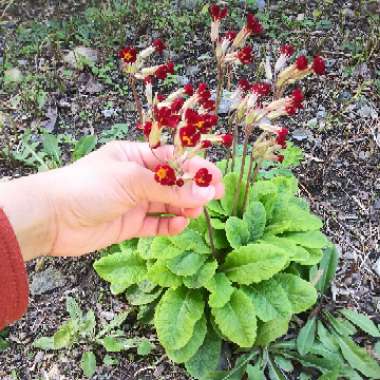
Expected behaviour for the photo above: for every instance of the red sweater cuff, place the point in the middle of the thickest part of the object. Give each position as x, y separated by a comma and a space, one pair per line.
13, 278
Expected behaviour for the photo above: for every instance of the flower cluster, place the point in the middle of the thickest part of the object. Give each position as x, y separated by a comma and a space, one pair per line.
187, 117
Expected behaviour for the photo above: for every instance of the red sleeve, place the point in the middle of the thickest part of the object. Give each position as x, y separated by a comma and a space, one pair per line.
13, 278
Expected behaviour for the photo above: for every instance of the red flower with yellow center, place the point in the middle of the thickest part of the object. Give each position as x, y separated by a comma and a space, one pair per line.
165, 175
217, 12
202, 177
245, 55
261, 89
189, 136
128, 54
165, 117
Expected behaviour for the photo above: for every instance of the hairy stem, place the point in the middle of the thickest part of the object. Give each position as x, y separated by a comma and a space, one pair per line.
132, 83
249, 179
210, 235
219, 90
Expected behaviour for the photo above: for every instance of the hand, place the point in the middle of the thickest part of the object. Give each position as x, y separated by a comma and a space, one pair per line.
104, 198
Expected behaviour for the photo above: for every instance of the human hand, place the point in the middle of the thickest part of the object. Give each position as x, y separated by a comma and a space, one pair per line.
104, 198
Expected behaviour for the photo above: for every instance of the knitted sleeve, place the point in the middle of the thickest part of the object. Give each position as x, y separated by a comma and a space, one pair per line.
13, 278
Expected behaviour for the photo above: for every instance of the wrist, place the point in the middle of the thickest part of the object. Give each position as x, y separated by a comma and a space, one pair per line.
26, 203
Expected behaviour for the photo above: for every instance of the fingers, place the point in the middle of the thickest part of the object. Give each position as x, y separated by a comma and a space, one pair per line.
162, 226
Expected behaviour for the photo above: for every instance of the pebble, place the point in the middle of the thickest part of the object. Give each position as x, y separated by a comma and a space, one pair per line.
376, 267
301, 134
46, 281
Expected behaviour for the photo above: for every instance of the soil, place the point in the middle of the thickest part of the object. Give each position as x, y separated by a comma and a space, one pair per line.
339, 129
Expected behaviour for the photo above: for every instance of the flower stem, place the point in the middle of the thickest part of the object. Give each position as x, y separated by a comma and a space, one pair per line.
219, 90
210, 235
249, 179
132, 83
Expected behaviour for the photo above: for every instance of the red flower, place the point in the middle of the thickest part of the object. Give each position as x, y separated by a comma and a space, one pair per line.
245, 55
159, 45
206, 144
177, 104
298, 97
227, 140
189, 136
188, 88
253, 24
302, 63
203, 91
202, 177
230, 35
281, 137
203, 123
280, 158
244, 84
287, 50
161, 97
261, 89
165, 175
148, 79
163, 70
147, 128
170, 67
165, 117
319, 66
208, 105
218, 13
128, 54
180, 182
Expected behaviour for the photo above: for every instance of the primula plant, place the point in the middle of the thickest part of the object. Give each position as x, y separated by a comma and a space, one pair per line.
242, 270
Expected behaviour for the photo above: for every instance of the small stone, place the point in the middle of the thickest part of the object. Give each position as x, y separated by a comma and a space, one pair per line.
367, 112
300, 17
109, 113
193, 70
376, 267
312, 123
46, 281
301, 134
79, 56
13, 75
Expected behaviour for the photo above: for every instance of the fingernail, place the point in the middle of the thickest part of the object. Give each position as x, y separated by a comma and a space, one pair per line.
207, 193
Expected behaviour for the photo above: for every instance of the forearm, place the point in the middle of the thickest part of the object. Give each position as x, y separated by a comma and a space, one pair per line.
27, 206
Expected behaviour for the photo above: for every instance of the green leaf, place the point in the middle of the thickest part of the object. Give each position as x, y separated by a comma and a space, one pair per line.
306, 337
206, 358
215, 208
255, 372
176, 315
217, 224
254, 263
202, 277
144, 248
285, 364
221, 290
328, 265
237, 232
144, 347
220, 239
192, 346
51, 148
292, 218
362, 321
116, 322
186, 264
74, 310
231, 181
109, 360
255, 218
116, 344
358, 358
275, 372
88, 324
199, 224
301, 294
162, 248
377, 348
326, 338
309, 239
44, 343
331, 375
315, 256
84, 146
237, 319
269, 331
341, 326
162, 276
64, 337
136, 296
190, 240
88, 364
121, 267
270, 300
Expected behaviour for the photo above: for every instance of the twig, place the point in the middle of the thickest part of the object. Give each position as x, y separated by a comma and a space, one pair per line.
132, 83
209, 228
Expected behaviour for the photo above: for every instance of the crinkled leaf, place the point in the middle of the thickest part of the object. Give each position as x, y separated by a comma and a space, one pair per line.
254, 263
301, 294
88, 363
221, 290
186, 264
358, 357
220, 239
255, 218
64, 337
309, 239
88, 324
74, 310
217, 224
231, 181
206, 358
125, 267
362, 321
44, 343
162, 248
306, 337
191, 347
144, 347
270, 300
237, 232
136, 296
161, 275
202, 277
215, 208
116, 344
268, 332
144, 248
237, 319
199, 224
190, 240
175, 317
315, 256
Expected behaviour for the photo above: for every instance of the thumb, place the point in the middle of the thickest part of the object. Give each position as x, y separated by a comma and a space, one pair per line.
143, 187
